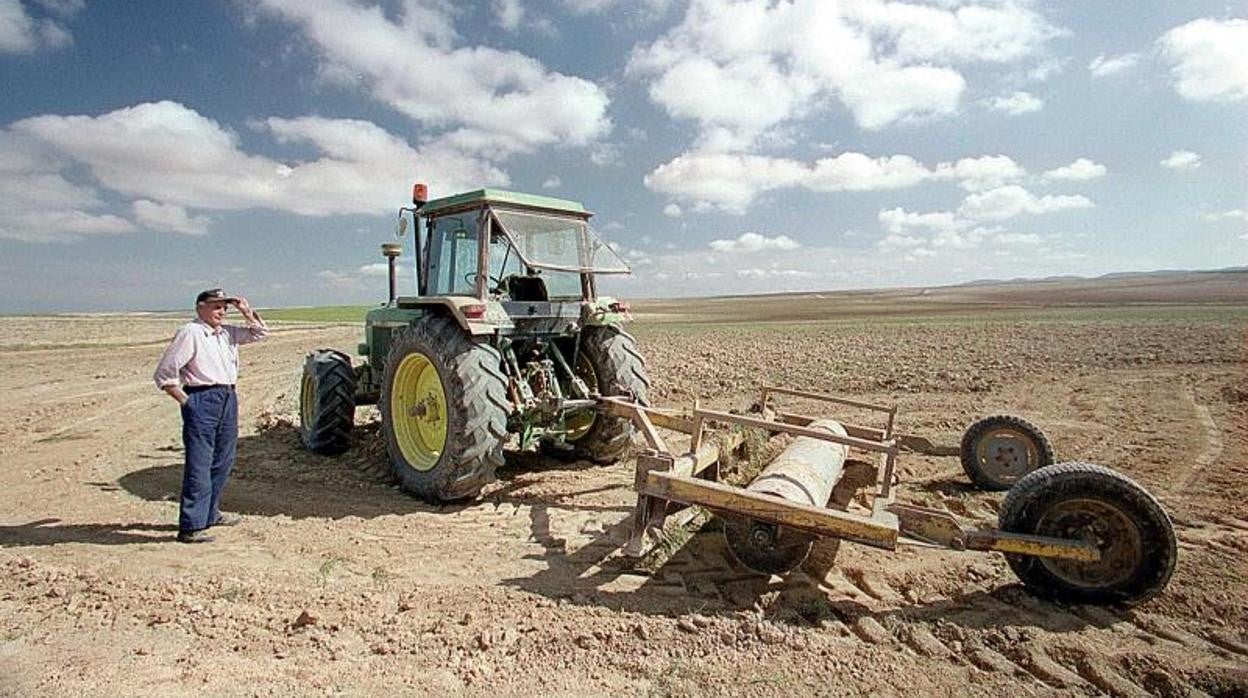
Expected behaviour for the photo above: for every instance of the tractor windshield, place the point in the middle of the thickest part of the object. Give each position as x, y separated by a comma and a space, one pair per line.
559, 243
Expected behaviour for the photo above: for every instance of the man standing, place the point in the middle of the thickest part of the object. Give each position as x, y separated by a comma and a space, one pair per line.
199, 370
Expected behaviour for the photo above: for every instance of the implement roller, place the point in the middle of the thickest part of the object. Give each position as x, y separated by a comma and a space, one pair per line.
1072, 531
803, 473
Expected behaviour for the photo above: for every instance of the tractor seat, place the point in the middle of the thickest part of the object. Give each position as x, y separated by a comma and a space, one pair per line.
527, 288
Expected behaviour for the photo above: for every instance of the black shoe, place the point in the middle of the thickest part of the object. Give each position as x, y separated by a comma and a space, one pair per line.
198, 536
227, 519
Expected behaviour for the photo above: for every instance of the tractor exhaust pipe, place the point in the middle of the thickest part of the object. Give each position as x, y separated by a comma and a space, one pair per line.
391, 251
805, 472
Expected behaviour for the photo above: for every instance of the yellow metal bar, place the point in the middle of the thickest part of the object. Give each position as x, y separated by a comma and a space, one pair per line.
878, 532
1035, 546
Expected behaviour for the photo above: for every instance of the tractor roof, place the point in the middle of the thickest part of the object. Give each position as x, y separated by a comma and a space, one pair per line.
498, 196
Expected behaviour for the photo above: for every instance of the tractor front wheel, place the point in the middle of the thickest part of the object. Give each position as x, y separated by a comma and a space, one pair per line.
443, 410
327, 402
1088, 502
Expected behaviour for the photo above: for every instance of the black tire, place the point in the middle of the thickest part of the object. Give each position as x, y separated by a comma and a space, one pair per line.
1082, 500
327, 402
618, 370
998, 451
475, 411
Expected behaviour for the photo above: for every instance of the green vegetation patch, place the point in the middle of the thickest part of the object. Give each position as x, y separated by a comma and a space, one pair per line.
327, 313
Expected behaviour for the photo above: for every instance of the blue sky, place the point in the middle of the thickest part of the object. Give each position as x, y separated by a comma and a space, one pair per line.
152, 149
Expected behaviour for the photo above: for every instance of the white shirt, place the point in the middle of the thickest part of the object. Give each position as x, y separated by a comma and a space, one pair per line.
200, 355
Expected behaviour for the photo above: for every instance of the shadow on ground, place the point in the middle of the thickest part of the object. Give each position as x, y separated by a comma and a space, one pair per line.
53, 532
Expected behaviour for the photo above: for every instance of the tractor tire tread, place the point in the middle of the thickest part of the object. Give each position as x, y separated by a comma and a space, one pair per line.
622, 371
333, 412
477, 411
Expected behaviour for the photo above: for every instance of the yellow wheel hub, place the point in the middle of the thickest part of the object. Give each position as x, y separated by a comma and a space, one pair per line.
418, 411
578, 422
307, 401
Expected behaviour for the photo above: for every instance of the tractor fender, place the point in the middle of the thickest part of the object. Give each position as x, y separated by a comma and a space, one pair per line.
494, 318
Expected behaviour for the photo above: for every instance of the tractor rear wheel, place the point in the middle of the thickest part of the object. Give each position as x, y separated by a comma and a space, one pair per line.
610, 364
998, 450
1088, 502
327, 402
443, 411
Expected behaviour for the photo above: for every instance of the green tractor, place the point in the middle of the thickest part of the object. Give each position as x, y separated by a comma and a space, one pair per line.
506, 336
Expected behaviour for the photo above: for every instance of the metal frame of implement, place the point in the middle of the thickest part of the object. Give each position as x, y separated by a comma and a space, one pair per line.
667, 482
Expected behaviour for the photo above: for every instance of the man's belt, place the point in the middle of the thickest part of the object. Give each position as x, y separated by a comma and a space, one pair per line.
201, 388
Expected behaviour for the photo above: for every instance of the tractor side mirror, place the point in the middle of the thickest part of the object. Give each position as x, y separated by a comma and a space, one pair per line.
401, 228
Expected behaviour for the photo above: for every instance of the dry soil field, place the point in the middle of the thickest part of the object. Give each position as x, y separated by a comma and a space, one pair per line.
336, 583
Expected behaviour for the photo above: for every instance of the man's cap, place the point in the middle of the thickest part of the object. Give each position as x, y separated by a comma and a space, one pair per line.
214, 294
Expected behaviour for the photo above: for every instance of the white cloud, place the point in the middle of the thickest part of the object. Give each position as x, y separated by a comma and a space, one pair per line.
552, 182
1235, 214
1104, 66
730, 181
168, 217
898, 221
170, 158
653, 8
672, 211
173, 155
503, 101
21, 33
986, 172
1016, 103
40, 204
1012, 200
1079, 170
63, 8
759, 273
509, 14
740, 69
753, 242
1208, 59
1182, 160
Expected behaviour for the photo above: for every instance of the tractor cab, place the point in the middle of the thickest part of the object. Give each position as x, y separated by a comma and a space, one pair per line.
498, 258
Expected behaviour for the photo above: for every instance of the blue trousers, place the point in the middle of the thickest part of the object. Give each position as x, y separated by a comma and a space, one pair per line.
210, 439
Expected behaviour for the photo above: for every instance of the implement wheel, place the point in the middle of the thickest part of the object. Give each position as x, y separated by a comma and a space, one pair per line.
1088, 502
443, 411
999, 450
327, 402
610, 364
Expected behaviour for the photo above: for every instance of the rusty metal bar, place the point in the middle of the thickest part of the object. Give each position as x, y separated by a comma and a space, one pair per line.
767, 425
854, 430
646, 427
824, 398
879, 531
675, 420
943, 529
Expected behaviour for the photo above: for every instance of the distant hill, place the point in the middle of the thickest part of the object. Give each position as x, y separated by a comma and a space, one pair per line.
1212, 288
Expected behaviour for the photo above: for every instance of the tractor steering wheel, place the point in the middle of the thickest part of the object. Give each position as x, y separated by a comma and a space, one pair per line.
471, 277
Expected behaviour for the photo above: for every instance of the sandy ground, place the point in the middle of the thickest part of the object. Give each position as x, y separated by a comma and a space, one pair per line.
337, 583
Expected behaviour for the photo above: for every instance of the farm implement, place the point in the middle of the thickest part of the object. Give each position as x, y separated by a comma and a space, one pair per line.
507, 340
1070, 531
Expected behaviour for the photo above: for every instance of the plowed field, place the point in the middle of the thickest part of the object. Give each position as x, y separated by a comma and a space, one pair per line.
337, 583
